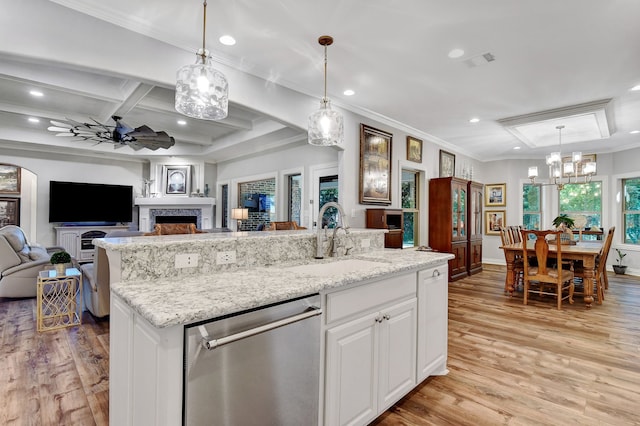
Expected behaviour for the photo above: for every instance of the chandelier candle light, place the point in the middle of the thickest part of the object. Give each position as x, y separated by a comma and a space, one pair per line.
326, 127
557, 169
202, 91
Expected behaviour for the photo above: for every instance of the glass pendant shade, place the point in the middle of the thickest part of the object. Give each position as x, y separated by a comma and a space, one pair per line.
201, 90
326, 126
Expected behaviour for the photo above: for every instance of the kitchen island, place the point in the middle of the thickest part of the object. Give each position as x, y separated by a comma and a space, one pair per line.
148, 319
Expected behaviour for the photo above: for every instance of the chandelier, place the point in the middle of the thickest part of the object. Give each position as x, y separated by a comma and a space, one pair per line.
558, 168
201, 90
326, 127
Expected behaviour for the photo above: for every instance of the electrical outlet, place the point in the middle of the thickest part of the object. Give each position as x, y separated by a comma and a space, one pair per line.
226, 257
365, 243
188, 260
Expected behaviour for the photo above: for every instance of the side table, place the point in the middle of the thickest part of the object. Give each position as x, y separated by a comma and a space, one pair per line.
59, 299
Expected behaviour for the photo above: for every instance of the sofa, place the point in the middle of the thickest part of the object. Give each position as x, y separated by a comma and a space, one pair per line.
20, 263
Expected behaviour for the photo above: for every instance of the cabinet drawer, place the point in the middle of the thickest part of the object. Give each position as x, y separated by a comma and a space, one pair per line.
356, 300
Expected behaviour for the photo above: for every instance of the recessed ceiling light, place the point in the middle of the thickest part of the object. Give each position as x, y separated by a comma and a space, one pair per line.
33, 120
474, 120
348, 92
182, 122
456, 53
36, 93
636, 87
516, 147
633, 132
227, 40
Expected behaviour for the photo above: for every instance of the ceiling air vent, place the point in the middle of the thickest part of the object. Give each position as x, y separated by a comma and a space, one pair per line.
480, 60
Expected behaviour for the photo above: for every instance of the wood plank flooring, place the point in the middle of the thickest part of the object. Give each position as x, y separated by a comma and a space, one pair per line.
509, 364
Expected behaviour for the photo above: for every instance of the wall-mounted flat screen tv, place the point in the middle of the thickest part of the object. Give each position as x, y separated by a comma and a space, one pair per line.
79, 203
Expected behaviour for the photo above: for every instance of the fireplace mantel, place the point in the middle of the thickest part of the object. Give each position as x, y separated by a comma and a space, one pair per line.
203, 205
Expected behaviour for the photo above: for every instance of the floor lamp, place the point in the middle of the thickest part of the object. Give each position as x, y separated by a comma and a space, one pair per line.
239, 215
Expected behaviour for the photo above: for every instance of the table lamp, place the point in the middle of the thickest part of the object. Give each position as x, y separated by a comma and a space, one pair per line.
240, 214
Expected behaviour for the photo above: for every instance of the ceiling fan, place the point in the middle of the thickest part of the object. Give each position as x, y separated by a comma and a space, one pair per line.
120, 135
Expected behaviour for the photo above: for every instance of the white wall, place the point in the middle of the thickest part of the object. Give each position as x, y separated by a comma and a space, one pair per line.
48, 167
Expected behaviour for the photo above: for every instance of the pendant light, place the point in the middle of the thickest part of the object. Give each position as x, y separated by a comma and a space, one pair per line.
326, 127
202, 91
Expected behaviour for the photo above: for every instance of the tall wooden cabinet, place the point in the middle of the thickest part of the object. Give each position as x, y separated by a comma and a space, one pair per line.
391, 219
455, 223
476, 194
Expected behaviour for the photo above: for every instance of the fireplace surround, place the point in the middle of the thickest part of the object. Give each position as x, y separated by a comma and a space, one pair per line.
151, 208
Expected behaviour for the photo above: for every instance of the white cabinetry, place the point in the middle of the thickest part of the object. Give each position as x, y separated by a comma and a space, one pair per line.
76, 240
432, 322
370, 349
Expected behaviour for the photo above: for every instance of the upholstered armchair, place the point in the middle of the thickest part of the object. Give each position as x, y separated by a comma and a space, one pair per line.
96, 284
20, 263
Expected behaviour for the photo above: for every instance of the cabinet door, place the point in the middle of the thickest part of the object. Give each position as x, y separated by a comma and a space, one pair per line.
70, 240
458, 265
475, 256
432, 322
351, 372
397, 368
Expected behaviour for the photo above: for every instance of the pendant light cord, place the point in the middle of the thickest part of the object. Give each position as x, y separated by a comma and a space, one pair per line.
324, 99
204, 31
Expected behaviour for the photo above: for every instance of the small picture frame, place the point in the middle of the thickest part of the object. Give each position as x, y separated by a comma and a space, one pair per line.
375, 166
9, 179
495, 195
177, 180
9, 211
494, 220
414, 149
447, 164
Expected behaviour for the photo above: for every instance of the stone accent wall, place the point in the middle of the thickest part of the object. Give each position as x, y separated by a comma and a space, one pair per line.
265, 186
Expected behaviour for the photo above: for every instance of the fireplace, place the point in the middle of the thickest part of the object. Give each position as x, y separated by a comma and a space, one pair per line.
197, 210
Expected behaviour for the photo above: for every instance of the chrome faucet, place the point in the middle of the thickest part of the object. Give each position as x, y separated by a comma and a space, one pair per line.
343, 223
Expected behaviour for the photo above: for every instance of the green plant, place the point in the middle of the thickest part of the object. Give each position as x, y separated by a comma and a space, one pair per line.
563, 219
60, 257
621, 256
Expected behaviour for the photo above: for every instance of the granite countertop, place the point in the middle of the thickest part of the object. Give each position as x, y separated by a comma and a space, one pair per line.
171, 302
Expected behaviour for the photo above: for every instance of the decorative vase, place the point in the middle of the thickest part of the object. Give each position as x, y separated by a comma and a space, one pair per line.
61, 268
620, 269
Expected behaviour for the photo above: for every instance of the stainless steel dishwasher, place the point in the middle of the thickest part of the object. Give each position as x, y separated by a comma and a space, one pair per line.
259, 367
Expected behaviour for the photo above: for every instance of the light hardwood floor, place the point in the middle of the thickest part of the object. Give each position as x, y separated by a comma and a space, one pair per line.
509, 364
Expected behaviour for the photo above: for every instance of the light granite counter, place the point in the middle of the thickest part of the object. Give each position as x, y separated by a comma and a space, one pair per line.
169, 302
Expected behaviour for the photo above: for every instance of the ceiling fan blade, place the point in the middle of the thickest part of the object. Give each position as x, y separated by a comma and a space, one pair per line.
58, 129
65, 134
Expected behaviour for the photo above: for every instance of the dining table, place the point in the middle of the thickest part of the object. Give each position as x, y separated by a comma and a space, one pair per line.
586, 251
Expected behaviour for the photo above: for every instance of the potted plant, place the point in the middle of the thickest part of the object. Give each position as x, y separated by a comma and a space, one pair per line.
565, 220
59, 259
620, 269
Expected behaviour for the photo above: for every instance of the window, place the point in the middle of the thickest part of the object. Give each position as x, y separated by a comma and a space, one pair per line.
295, 198
410, 210
631, 210
583, 199
329, 192
531, 206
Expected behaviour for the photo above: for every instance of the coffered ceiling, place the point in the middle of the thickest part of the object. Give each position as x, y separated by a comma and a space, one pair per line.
519, 58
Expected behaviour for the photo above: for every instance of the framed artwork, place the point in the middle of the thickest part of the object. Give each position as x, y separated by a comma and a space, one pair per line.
9, 211
414, 149
177, 180
587, 158
9, 179
375, 166
447, 164
494, 219
495, 195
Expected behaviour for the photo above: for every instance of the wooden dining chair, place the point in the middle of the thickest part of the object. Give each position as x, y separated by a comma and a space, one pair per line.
518, 268
600, 280
544, 277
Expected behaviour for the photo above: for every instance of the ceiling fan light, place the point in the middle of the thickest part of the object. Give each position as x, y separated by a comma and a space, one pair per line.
326, 126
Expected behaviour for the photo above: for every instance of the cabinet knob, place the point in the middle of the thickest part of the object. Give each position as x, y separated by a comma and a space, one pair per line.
378, 319
387, 317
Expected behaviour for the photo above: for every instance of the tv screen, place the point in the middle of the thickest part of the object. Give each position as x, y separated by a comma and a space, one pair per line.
75, 202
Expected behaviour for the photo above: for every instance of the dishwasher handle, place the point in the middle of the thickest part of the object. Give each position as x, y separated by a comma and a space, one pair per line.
214, 343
